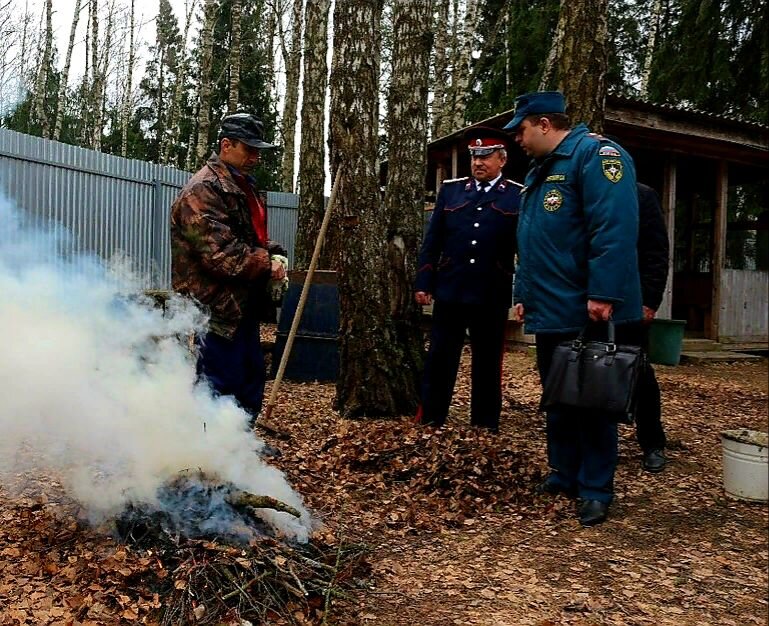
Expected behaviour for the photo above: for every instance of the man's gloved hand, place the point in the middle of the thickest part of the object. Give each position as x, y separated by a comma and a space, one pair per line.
277, 286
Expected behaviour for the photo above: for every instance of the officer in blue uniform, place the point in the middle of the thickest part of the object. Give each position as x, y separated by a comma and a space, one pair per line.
577, 237
465, 270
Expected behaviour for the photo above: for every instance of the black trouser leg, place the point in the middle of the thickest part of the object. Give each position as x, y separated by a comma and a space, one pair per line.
649, 430
447, 337
487, 342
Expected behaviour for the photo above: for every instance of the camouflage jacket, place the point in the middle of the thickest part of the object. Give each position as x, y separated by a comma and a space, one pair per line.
216, 257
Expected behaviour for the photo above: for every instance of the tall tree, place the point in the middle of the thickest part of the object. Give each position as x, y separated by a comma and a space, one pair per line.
466, 28
61, 99
293, 59
440, 76
581, 42
517, 39
232, 99
125, 116
204, 80
714, 55
405, 191
93, 88
39, 114
312, 172
180, 85
650, 47
371, 378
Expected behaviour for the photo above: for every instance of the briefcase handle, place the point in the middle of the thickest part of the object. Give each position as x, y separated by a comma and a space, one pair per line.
611, 344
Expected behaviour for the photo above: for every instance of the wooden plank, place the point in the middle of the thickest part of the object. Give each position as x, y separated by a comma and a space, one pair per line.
668, 200
454, 161
719, 247
744, 306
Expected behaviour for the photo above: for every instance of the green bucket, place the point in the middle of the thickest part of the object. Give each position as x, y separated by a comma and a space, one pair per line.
665, 340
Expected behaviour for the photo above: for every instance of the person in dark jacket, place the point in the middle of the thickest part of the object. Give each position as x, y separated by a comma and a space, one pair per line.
653, 259
465, 270
578, 267
221, 256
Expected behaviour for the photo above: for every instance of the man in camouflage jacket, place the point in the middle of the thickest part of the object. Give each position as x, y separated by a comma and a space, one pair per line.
221, 257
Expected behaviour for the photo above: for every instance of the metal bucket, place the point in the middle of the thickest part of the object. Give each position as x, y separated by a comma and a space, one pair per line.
746, 464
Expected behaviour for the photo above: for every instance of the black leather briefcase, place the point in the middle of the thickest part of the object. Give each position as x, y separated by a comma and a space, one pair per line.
598, 376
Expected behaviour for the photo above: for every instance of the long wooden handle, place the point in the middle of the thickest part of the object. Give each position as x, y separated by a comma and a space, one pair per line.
302, 298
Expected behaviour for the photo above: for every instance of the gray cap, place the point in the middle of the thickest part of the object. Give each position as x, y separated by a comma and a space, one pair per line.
244, 127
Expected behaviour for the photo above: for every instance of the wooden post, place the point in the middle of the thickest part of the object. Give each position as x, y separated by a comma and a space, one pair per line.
454, 161
265, 416
440, 175
719, 246
668, 199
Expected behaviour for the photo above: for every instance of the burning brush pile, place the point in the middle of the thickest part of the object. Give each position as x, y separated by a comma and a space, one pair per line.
221, 557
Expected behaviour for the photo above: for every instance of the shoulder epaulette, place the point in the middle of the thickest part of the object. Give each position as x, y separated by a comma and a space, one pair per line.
455, 180
512, 182
598, 137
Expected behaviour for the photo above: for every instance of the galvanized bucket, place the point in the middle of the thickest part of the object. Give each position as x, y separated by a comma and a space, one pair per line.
746, 464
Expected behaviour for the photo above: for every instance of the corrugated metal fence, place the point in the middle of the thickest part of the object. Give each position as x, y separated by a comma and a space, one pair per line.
111, 205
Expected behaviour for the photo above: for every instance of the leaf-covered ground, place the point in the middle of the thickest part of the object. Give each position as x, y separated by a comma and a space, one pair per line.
454, 532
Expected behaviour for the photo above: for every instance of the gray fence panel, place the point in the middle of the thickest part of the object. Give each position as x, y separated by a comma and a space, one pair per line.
111, 205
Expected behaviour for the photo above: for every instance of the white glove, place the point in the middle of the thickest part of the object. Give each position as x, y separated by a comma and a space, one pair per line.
277, 288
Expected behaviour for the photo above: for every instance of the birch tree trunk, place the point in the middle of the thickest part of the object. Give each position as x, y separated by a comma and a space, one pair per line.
547, 80
125, 115
440, 75
462, 65
371, 378
100, 84
405, 191
181, 75
654, 22
312, 170
232, 100
584, 31
39, 114
93, 92
62, 97
292, 95
204, 92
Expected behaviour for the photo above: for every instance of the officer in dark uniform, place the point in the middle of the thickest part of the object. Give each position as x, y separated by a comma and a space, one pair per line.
577, 239
465, 270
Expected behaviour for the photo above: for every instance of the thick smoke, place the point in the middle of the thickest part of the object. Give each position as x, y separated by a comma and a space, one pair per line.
97, 388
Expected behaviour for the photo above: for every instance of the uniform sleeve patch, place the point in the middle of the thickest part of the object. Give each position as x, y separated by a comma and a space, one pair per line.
556, 178
612, 169
608, 151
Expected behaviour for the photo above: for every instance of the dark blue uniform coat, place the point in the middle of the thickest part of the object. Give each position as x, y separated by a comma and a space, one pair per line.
578, 234
466, 264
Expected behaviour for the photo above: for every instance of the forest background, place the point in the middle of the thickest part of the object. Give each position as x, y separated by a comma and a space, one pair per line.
111, 76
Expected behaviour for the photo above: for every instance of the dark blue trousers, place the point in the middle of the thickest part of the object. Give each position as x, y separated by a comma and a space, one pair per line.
450, 322
235, 367
582, 446
648, 418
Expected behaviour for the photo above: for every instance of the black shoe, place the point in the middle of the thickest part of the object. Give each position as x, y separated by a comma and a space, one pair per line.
654, 460
592, 512
548, 488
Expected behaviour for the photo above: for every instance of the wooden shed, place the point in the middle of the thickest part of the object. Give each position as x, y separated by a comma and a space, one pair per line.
712, 175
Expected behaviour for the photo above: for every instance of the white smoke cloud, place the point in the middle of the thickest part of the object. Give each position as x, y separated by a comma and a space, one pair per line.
96, 387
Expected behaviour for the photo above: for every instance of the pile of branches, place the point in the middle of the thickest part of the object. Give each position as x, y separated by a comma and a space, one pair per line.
438, 477
207, 582
238, 572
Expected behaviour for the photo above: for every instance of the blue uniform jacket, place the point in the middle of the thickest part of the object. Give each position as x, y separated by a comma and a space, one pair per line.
577, 235
468, 253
